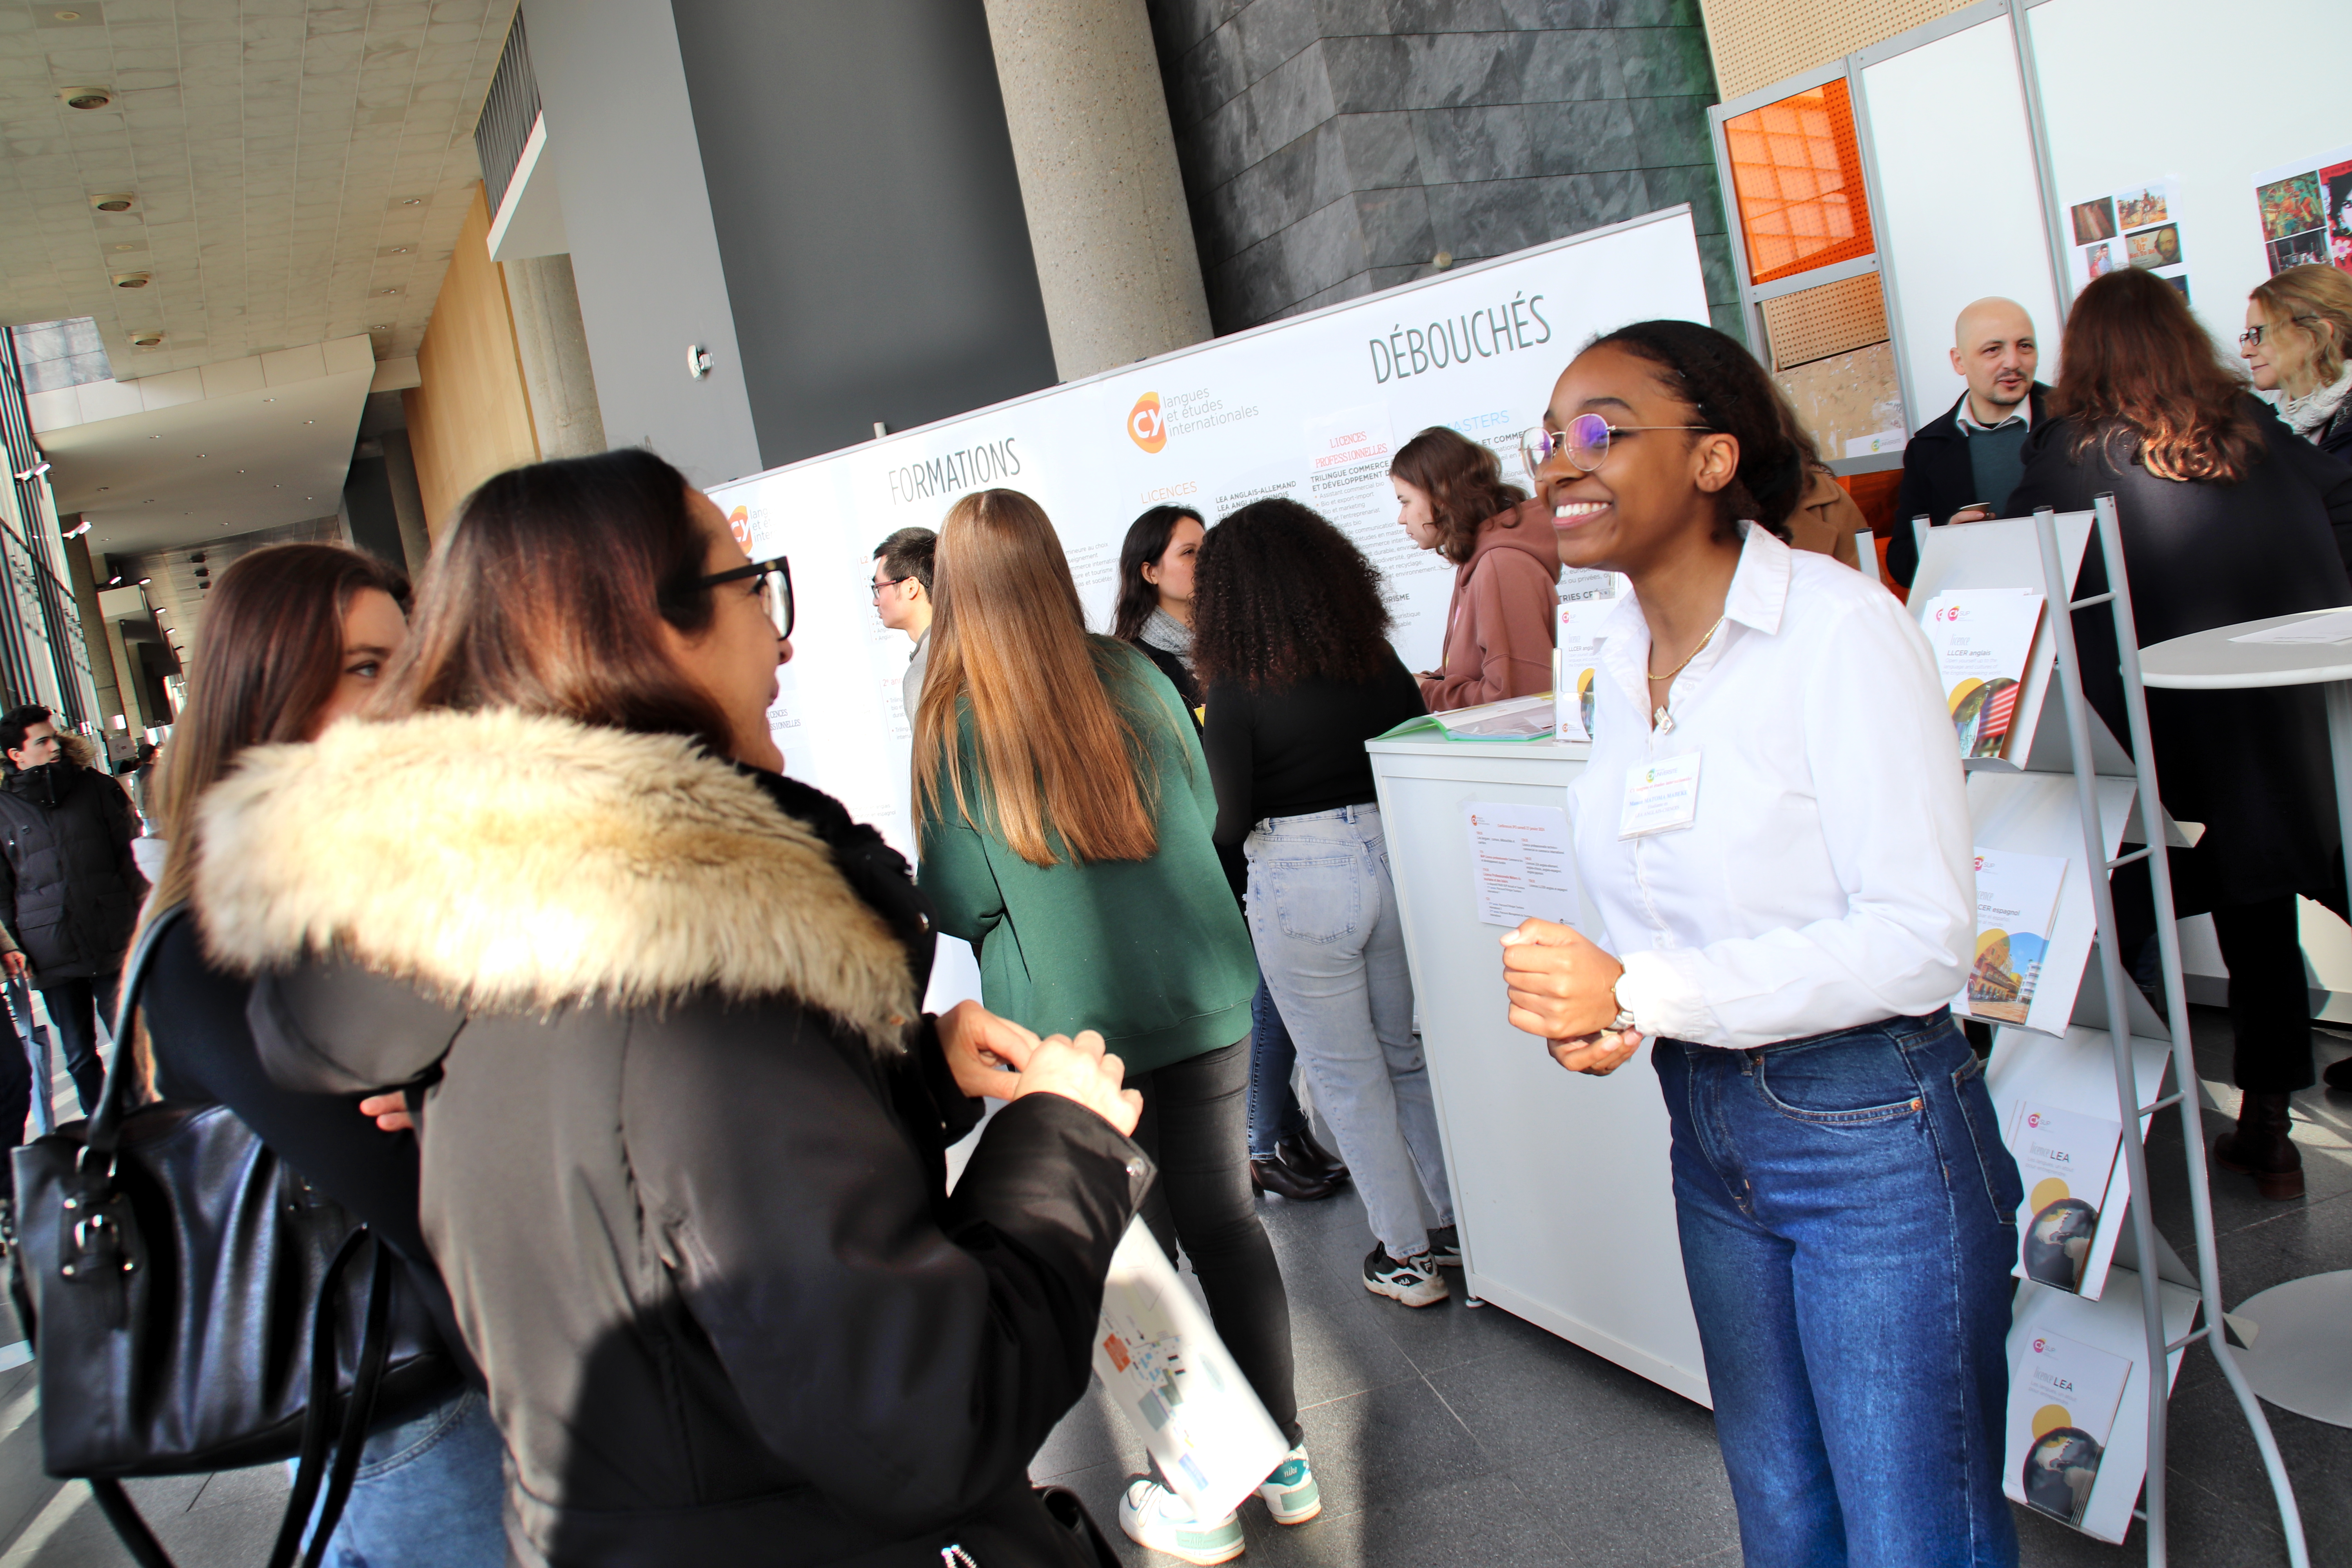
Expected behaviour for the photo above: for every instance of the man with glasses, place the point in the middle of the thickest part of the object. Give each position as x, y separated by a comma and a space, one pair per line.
902, 598
1961, 464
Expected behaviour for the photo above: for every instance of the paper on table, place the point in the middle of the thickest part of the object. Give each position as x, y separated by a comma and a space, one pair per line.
1521, 862
1512, 718
2065, 1158
2061, 1410
2333, 627
2017, 897
1165, 1367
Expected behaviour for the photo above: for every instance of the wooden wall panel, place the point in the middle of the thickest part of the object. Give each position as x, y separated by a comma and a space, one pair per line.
469, 416
1756, 43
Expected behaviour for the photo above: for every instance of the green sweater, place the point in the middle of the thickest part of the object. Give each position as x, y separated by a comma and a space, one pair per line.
1153, 952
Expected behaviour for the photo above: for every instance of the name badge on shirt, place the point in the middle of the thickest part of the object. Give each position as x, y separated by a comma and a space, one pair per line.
1660, 796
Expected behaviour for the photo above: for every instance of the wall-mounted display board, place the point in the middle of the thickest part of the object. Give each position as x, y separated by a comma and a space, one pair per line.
1312, 408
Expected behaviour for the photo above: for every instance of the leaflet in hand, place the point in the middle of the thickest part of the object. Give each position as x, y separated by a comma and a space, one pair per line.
1981, 638
2017, 897
2064, 1158
2061, 1408
1166, 1368
1586, 600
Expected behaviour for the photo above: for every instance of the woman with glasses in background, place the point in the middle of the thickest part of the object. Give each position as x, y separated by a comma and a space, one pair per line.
2297, 343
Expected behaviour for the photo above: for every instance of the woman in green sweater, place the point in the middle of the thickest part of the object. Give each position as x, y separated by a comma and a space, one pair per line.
1065, 812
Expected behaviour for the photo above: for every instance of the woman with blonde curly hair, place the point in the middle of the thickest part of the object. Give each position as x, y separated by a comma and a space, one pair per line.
2298, 332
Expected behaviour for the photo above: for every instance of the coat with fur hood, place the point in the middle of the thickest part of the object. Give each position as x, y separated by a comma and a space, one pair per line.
682, 1146
1502, 619
70, 886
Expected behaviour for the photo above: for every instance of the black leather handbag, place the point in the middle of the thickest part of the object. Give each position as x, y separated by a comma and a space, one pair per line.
195, 1305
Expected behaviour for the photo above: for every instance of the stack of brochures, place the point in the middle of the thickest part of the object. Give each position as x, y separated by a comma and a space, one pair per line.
1982, 639
2064, 1158
2017, 897
2063, 1398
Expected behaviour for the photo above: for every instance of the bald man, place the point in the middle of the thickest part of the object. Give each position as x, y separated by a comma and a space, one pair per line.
1963, 465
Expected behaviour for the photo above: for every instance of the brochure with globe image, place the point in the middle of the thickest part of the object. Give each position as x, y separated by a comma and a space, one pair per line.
2017, 898
2064, 1158
2062, 1396
1982, 637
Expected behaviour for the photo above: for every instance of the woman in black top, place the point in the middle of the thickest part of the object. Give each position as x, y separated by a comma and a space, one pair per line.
2227, 516
1291, 640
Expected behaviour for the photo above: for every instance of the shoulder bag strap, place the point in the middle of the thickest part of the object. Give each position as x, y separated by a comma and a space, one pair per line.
105, 1129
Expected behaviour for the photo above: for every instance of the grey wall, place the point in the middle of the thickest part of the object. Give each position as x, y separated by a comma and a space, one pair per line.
868, 213
1333, 147
644, 255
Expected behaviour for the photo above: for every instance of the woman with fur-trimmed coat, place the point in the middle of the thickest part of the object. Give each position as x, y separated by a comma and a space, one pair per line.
681, 1125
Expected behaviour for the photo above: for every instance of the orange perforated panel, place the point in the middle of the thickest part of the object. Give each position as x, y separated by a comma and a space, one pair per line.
1796, 171
1835, 319
1759, 42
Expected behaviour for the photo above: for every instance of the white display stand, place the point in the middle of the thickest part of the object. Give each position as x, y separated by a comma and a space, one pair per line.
1561, 1184
2067, 788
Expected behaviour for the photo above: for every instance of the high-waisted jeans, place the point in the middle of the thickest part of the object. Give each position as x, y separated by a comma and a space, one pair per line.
1847, 1211
1323, 913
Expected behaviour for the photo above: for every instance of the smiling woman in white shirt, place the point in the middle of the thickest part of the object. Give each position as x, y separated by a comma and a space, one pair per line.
1771, 822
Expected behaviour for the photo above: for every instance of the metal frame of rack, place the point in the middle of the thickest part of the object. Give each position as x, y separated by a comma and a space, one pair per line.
2058, 590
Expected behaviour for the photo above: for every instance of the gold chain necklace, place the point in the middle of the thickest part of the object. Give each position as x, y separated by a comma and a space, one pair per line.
1661, 720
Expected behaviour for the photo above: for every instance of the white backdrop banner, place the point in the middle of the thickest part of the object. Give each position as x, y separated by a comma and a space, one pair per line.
1312, 408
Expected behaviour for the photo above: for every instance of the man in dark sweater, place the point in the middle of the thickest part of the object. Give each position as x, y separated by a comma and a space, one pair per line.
1961, 466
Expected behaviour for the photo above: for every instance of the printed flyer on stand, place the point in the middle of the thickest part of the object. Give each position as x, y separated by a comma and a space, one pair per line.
2062, 1396
1982, 639
2017, 902
2064, 1159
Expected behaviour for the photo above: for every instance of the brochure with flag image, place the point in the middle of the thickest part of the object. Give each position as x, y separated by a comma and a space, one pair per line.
2064, 1158
2017, 895
2062, 1396
1982, 637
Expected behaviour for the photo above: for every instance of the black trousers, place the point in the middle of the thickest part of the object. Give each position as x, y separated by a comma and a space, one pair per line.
1195, 1126
16, 1105
74, 1006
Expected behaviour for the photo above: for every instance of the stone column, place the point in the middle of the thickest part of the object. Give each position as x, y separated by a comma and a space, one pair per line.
553, 348
1113, 239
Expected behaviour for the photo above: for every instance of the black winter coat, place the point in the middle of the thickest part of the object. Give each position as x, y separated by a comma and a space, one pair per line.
68, 881
1937, 480
683, 1164
2252, 766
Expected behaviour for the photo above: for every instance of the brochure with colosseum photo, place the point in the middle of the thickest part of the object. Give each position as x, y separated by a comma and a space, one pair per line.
2017, 895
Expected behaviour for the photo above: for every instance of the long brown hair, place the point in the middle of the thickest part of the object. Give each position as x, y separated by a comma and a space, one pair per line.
1280, 595
2137, 363
548, 595
1009, 645
1464, 482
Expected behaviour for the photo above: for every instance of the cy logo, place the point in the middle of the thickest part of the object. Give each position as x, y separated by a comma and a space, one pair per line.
739, 523
2038, 1344
1147, 427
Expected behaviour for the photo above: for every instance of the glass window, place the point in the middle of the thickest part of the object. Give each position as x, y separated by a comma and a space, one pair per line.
1797, 172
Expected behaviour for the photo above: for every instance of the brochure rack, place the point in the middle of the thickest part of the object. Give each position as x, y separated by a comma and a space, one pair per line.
2053, 1059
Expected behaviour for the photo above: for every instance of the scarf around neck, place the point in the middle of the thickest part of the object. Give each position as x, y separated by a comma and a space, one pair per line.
1169, 635
2310, 413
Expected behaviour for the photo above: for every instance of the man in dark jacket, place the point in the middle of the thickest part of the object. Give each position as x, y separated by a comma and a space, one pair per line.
69, 890
1961, 464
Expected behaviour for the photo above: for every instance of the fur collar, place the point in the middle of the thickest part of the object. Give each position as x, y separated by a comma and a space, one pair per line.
508, 862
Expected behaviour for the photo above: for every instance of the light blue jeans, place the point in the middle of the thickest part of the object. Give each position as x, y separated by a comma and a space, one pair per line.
431, 1493
1331, 944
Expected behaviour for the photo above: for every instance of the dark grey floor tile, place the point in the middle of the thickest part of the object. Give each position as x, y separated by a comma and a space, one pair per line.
1092, 1435
1483, 1520
1389, 1443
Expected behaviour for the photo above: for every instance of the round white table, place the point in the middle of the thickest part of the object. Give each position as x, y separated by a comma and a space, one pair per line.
2299, 1358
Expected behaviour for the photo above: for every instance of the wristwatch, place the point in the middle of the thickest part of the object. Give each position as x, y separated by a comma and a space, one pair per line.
1625, 1019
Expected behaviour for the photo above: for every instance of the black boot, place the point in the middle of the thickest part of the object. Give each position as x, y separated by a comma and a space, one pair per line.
1276, 1177
2260, 1147
1310, 1158
2338, 1075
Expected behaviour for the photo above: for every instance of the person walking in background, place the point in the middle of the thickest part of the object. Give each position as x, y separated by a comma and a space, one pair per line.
2227, 516
297, 638
902, 598
2298, 334
1291, 636
1502, 618
1064, 815
69, 883
1961, 464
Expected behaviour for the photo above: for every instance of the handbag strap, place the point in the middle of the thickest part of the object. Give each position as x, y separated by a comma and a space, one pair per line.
310, 1470
105, 1129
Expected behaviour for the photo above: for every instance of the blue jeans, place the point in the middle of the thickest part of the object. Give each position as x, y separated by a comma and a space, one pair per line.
431, 1493
1848, 1219
1330, 945
1274, 1109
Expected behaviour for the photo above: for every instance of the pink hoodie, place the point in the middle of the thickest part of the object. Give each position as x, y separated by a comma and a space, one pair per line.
1499, 626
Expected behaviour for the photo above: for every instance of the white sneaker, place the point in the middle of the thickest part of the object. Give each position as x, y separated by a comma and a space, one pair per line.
1156, 1518
1415, 1281
1290, 1493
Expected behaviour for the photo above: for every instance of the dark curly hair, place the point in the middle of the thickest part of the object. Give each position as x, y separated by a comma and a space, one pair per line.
1146, 541
1464, 482
1733, 397
1279, 596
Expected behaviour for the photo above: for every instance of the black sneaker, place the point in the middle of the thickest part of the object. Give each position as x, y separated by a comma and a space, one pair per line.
1414, 1281
1445, 1247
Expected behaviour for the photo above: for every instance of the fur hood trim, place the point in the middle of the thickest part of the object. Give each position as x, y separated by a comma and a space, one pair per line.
515, 863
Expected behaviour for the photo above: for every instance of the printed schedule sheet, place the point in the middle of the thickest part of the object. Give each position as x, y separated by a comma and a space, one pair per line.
1521, 862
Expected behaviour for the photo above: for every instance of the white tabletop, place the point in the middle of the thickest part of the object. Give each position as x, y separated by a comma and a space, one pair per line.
2209, 661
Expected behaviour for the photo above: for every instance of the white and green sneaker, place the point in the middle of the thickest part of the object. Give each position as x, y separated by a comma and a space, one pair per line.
1158, 1519
1290, 1493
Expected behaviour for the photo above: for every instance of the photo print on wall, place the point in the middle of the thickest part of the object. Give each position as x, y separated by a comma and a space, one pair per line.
2306, 211
2134, 227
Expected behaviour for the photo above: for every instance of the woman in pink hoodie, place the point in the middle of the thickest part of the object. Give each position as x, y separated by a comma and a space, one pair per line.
1499, 626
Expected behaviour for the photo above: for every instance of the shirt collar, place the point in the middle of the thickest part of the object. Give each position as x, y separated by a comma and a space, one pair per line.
1758, 594
2023, 414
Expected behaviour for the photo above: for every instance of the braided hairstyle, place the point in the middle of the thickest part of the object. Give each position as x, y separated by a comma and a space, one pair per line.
1733, 397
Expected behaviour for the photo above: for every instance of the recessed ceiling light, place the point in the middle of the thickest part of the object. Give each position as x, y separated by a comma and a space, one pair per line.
86, 97
381, 327
413, 202
69, 16
270, 400
131, 279
389, 290
113, 202
126, 248
310, 421
106, 487
400, 250
240, 470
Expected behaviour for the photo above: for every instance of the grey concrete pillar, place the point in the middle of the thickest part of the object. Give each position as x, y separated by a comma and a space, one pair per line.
1116, 262
407, 500
554, 347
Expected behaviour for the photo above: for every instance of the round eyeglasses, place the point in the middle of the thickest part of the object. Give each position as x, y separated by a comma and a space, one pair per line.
1586, 442
2251, 338
775, 589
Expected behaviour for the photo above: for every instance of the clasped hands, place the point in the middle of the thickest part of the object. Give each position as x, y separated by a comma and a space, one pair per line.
1563, 989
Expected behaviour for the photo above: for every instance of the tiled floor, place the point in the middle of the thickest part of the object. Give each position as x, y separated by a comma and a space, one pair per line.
1453, 1436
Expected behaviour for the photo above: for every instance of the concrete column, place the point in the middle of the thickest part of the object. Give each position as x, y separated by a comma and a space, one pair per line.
407, 500
1116, 259
554, 347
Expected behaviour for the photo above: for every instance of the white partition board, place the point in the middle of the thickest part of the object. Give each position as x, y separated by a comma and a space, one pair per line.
2034, 814
1960, 205
2114, 1324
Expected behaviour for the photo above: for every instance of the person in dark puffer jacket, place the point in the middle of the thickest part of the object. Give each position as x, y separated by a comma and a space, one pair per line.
69, 890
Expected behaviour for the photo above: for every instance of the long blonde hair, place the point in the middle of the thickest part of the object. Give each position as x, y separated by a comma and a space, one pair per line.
1059, 759
2314, 299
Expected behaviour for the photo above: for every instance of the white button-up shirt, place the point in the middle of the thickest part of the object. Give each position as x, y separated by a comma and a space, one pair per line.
1828, 878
